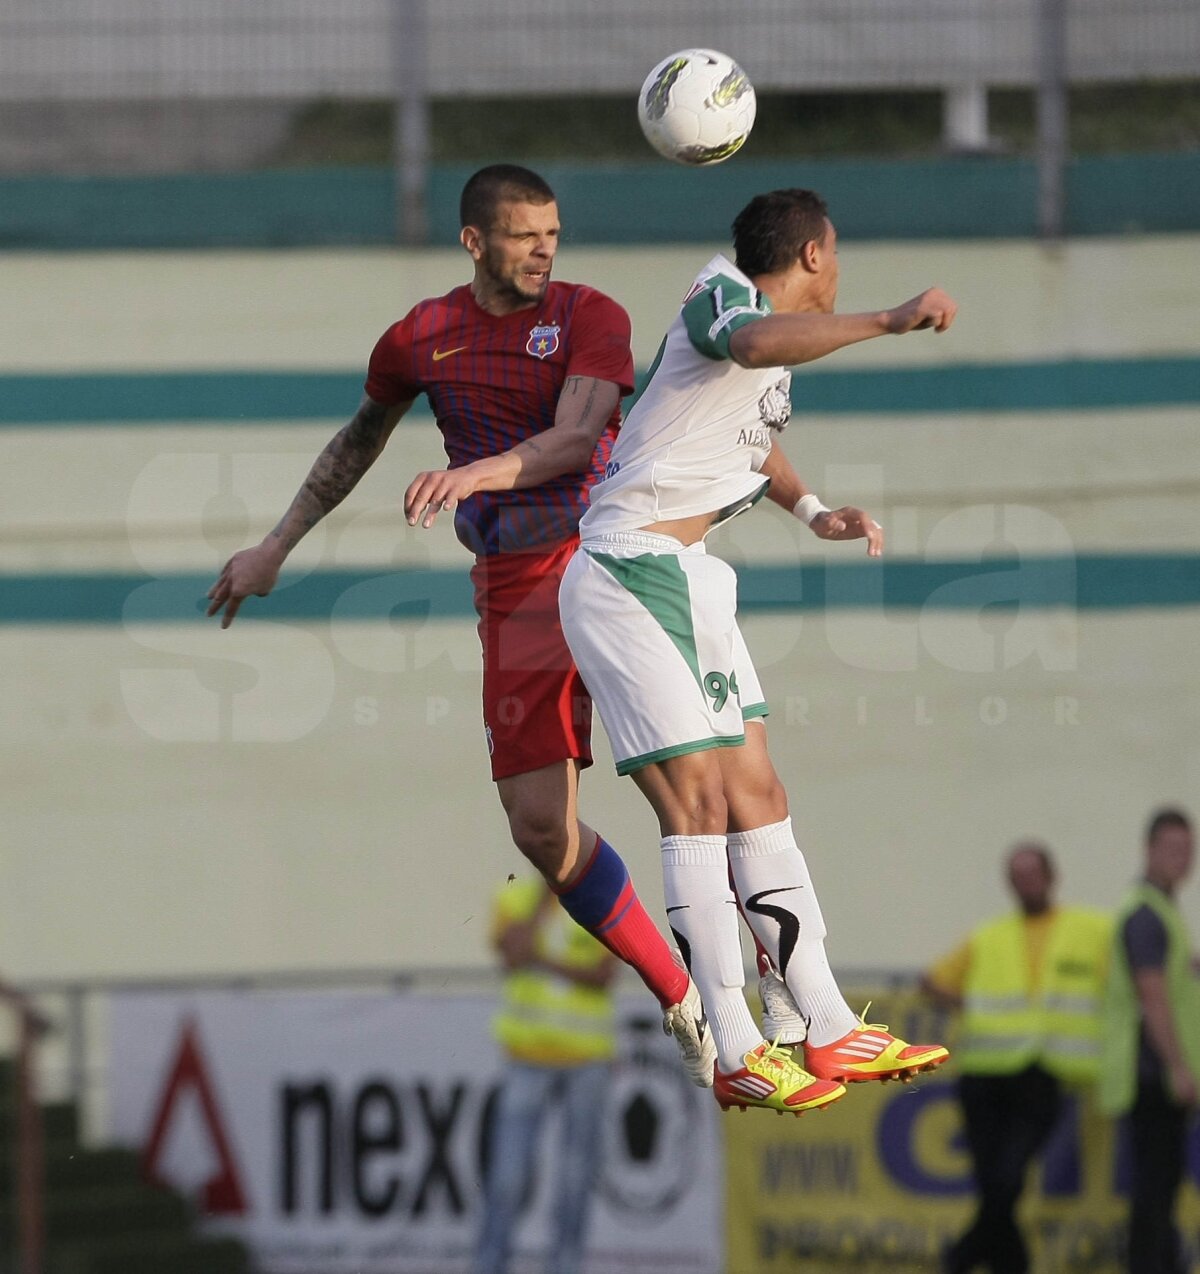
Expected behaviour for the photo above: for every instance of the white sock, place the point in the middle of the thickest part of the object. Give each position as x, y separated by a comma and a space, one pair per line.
780, 905
703, 915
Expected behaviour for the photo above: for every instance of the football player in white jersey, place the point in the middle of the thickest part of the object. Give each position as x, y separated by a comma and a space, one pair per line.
651, 621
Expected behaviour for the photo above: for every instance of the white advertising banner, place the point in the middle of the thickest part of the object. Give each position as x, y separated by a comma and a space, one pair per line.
343, 1133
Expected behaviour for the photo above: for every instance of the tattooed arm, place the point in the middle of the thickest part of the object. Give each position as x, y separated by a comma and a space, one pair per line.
335, 472
584, 408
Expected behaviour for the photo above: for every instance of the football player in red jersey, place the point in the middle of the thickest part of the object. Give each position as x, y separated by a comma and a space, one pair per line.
525, 377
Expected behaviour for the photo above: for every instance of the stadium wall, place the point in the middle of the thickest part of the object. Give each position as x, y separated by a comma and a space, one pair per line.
310, 788
983, 196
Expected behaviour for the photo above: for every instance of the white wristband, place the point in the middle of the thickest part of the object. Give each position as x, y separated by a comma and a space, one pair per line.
808, 507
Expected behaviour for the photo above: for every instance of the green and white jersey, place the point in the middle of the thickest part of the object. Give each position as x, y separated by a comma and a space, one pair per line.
700, 431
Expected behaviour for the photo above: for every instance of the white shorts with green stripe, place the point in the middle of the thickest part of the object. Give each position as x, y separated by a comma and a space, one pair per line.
652, 626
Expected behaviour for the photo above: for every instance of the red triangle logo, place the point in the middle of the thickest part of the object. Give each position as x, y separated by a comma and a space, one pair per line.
223, 1193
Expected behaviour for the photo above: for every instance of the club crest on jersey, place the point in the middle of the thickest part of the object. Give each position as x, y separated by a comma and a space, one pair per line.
775, 406
543, 341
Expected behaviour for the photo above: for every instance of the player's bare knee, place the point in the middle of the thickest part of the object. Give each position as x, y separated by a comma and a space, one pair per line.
758, 804
698, 809
546, 842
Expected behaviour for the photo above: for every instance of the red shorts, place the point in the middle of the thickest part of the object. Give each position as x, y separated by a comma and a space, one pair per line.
536, 710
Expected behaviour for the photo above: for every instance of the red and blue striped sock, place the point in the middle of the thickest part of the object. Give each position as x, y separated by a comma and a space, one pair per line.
603, 901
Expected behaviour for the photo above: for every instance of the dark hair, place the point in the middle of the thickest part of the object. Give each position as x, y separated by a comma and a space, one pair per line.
771, 229
1038, 849
497, 184
1168, 817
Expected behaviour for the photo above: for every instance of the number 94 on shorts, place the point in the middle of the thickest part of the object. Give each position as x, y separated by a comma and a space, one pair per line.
652, 626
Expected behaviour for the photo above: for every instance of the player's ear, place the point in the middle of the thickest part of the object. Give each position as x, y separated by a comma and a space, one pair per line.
810, 256
471, 239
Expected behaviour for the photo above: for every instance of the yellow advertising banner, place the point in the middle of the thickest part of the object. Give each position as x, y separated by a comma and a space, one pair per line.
881, 1181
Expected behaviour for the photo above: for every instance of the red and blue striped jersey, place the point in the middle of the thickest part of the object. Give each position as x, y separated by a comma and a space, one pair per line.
493, 381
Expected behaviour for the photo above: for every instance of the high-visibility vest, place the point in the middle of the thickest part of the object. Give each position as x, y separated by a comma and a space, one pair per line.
545, 1019
1122, 1008
1008, 1024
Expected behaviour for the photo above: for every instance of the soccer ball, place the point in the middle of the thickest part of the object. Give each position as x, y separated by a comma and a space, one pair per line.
697, 107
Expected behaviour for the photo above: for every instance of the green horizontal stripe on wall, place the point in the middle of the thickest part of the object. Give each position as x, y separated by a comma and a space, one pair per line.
1087, 582
138, 398
153, 397
944, 197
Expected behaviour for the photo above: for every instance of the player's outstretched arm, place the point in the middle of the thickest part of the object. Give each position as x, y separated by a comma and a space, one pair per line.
348, 455
585, 406
783, 340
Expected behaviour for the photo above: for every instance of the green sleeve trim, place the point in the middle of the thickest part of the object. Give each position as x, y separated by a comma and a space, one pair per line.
752, 710
718, 310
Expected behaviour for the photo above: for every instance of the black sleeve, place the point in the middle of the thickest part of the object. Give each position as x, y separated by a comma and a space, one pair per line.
1145, 938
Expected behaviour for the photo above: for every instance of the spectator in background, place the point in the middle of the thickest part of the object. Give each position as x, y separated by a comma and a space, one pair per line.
556, 1025
1152, 1041
1029, 985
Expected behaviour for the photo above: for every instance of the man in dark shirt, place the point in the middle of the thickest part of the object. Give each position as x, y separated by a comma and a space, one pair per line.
1152, 1045
1145, 939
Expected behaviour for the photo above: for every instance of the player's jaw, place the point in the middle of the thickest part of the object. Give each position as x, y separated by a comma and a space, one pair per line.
530, 281
535, 279
519, 282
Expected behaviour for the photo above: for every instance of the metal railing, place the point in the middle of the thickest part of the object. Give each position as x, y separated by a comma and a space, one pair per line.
73, 1063
302, 49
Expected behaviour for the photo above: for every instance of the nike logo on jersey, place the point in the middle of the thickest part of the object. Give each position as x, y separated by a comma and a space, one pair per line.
789, 925
439, 354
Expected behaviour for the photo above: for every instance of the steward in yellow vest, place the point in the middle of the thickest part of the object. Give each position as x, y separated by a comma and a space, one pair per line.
1032, 994
1123, 1020
556, 1007
556, 1025
1152, 1043
1029, 985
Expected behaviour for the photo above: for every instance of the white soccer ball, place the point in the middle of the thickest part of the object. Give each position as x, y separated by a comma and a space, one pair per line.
697, 107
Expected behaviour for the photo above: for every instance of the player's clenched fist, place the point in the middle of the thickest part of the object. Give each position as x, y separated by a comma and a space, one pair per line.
933, 308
